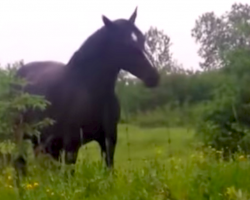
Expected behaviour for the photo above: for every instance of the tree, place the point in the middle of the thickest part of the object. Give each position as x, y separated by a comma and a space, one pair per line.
219, 34
157, 45
225, 123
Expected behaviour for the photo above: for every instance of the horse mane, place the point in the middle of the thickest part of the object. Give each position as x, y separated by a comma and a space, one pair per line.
92, 47
89, 49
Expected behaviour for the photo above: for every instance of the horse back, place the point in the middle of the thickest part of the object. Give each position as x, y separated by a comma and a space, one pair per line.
40, 75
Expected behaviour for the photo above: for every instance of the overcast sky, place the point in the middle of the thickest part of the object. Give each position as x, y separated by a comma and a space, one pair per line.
54, 29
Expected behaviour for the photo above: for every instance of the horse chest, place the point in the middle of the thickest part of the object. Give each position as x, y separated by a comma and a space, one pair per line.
76, 107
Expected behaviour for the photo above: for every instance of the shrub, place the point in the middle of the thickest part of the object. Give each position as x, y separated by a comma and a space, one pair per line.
13, 102
225, 123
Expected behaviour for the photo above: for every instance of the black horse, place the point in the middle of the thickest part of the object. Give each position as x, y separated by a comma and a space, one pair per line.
82, 92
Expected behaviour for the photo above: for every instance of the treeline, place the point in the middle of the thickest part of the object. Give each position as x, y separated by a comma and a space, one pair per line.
175, 102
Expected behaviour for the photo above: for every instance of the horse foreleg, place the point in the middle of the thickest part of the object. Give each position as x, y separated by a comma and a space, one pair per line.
110, 144
71, 144
71, 157
110, 151
110, 121
102, 145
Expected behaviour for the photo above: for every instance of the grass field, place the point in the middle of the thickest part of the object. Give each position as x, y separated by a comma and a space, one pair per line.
157, 164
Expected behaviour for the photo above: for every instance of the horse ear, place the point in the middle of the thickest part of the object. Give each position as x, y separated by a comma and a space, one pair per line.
133, 16
107, 22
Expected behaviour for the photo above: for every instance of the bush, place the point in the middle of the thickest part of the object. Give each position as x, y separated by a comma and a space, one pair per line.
225, 123
14, 102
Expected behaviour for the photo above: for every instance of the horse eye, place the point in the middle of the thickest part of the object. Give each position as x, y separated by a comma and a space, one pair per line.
134, 37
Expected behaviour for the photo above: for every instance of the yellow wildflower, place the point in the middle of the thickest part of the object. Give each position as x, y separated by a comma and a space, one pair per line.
35, 184
231, 191
242, 158
29, 186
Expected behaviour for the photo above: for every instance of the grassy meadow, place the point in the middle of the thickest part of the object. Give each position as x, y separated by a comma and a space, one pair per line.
157, 163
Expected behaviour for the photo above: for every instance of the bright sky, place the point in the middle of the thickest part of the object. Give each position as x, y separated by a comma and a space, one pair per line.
54, 29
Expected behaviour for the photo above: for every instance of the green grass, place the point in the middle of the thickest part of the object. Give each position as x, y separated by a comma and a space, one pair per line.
137, 144
158, 164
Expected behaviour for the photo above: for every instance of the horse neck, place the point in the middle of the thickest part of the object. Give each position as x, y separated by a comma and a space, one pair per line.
92, 75
90, 68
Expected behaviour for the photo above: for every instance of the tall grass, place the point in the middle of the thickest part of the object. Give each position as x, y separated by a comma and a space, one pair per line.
158, 163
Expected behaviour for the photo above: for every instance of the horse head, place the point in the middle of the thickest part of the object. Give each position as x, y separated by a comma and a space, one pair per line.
126, 49
117, 45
